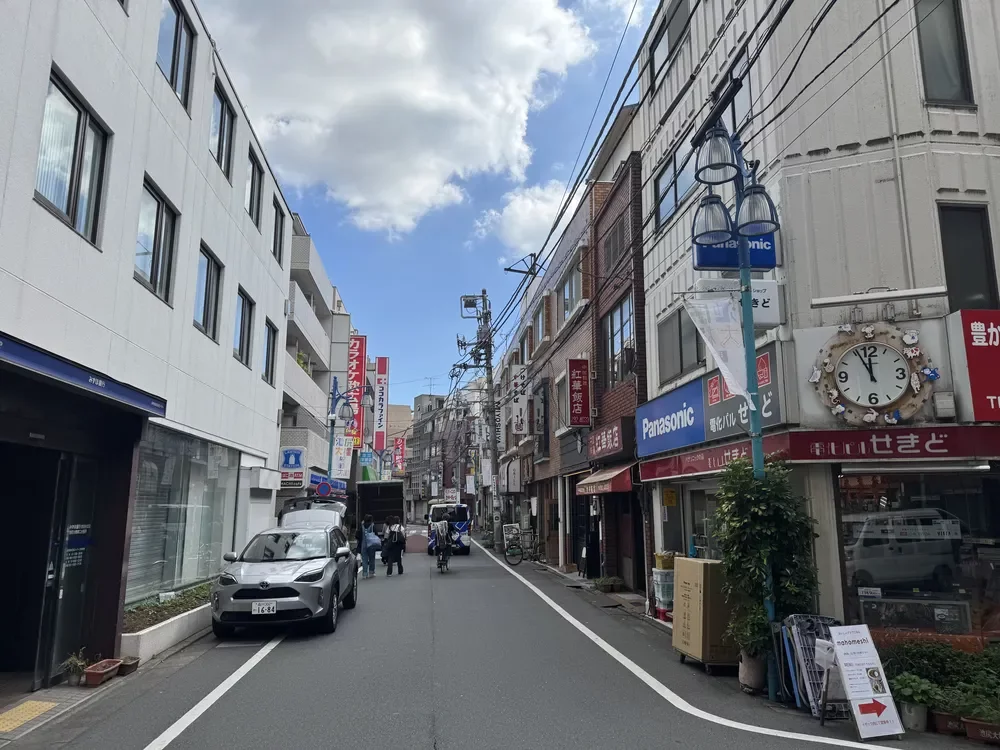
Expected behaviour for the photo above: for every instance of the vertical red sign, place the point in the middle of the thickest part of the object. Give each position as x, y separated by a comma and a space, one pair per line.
981, 332
381, 403
357, 375
579, 392
399, 455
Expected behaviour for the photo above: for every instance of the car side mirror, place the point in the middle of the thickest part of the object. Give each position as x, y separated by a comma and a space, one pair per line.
344, 551
229, 557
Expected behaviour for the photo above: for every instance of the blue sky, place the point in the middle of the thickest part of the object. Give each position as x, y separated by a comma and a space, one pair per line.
393, 159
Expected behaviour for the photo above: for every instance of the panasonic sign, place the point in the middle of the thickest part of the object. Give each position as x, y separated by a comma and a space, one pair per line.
674, 420
725, 255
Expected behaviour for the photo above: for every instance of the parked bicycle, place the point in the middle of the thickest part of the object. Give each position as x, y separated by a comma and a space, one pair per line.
521, 545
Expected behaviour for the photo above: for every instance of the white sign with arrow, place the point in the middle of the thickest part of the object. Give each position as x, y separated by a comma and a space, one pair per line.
865, 682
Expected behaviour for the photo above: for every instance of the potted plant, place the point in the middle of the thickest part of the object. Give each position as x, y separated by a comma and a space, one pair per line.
751, 631
914, 695
74, 666
982, 722
608, 584
128, 666
947, 712
101, 671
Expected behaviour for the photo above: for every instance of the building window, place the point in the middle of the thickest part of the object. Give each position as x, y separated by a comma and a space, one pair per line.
675, 182
969, 269
278, 241
617, 341
571, 290
154, 245
562, 403
614, 244
255, 184
538, 325
206, 296
174, 45
184, 515
522, 351
740, 110
679, 348
243, 331
270, 350
221, 138
943, 53
667, 40
70, 173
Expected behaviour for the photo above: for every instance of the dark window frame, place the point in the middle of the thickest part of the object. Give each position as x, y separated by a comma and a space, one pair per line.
671, 14
969, 98
677, 319
278, 240
183, 23
222, 150
161, 276
213, 294
611, 374
270, 352
672, 174
255, 184
243, 347
86, 118
615, 243
981, 210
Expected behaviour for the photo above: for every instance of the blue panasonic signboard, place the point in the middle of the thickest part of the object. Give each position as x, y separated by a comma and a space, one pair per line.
725, 256
674, 420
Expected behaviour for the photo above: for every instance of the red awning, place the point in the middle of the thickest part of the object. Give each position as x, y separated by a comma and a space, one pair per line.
615, 479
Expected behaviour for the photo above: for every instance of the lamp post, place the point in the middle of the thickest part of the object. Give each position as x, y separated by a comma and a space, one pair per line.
381, 459
720, 161
345, 411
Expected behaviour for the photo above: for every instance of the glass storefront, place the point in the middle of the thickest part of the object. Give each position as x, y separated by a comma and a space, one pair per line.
922, 553
185, 512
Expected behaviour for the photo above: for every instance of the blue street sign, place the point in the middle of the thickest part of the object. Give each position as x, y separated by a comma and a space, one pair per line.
725, 256
674, 420
323, 489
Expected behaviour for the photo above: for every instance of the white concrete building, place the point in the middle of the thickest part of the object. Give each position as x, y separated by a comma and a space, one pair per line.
884, 170
144, 269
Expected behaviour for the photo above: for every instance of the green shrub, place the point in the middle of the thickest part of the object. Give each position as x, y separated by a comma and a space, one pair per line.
941, 663
908, 688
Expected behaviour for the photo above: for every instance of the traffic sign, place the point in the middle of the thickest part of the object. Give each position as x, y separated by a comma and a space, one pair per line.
324, 489
865, 682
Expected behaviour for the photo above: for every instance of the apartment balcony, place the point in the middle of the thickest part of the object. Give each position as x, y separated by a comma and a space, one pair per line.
305, 329
300, 388
308, 272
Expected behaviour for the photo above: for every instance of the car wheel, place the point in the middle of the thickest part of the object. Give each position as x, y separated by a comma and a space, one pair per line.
328, 624
351, 600
430, 550
467, 551
221, 630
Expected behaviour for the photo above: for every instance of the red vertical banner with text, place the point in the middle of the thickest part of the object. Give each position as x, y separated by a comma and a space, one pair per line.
578, 372
399, 455
981, 332
357, 373
381, 403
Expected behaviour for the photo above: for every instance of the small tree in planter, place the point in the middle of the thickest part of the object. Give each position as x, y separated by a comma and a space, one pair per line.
915, 695
765, 536
75, 665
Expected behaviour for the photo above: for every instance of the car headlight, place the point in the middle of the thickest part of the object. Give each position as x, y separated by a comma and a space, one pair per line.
225, 579
310, 577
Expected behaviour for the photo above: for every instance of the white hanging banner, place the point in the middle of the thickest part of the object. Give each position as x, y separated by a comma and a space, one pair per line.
718, 321
519, 398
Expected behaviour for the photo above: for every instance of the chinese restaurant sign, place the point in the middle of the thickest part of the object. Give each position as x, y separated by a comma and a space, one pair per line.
615, 440
981, 332
357, 366
579, 392
381, 401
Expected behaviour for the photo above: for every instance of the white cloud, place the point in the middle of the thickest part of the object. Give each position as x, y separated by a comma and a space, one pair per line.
613, 14
524, 221
391, 103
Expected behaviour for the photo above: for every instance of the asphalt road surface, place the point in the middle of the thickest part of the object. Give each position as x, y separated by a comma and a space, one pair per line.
472, 658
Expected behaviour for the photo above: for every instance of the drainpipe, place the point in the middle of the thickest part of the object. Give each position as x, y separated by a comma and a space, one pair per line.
561, 493
890, 95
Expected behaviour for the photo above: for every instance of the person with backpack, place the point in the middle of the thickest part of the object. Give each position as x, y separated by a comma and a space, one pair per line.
395, 543
368, 544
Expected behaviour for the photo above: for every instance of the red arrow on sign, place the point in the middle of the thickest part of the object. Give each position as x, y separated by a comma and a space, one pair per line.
875, 707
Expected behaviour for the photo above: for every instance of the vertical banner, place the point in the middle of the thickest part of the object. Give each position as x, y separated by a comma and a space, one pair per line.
579, 392
343, 449
399, 455
499, 423
519, 401
718, 321
470, 484
357, 367
381, 401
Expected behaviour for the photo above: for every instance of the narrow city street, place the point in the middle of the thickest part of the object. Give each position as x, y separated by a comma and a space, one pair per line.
472, 658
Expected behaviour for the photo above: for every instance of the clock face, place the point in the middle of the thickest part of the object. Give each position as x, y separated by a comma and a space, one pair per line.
873, 375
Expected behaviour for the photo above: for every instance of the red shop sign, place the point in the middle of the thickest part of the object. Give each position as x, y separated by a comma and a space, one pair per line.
612, 439
981, 332
579, 392
836, 446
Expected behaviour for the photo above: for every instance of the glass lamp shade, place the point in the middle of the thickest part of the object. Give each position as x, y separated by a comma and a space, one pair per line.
716, 162
345, 412
368, 399
757, 215
712, 224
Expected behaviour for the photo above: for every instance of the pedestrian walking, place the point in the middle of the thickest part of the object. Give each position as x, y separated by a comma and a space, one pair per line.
368, 544
395, 537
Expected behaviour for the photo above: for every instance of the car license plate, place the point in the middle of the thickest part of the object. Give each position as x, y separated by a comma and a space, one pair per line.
263, 608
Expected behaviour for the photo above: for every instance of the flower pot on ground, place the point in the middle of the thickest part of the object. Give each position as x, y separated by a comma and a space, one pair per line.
751, 631
982, 722
982, 731
609, 584
753, 673
945, 723
74, 666
914, 694
102, 671
128, 666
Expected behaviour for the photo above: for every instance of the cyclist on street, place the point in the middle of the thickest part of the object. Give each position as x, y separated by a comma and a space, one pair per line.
442, 537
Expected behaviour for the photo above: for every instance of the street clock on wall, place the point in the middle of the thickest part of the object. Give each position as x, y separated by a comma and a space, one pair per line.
873, 374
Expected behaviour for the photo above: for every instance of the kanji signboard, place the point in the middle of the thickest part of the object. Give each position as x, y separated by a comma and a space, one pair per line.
578, 373
357, 366
399, 456
727, 415
381, 402
981, 331
612, 440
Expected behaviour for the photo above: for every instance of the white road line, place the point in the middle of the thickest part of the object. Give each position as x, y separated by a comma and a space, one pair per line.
174, 730
662, 690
